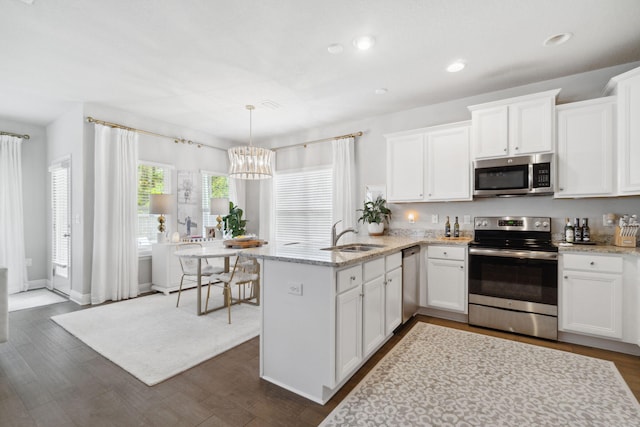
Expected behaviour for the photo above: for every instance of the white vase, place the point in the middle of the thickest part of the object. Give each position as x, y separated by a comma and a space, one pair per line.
375, 229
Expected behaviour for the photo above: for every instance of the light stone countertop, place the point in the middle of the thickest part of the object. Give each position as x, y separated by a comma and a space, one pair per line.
312, 253
599, 249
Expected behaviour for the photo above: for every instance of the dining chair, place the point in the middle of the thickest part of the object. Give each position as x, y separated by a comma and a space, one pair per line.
190, 268
245, 272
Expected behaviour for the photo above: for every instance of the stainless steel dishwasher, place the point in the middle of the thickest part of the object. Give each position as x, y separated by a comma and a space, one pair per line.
410, 280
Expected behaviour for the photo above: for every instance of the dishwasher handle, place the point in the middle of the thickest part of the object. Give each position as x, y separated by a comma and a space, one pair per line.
413, 250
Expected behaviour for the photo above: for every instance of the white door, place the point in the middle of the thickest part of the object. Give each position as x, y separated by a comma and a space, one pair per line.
61, 225
393, 300
348, 332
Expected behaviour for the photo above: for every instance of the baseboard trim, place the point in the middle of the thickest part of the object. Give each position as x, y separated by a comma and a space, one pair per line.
144, 287
37, 284
81, 299
444, 314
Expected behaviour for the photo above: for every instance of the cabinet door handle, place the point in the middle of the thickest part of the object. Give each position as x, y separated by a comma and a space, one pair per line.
505, 150
421, 194
385, 282
353, 277
444, 253
516, 148
362, 295
566, 277
462, 267
561, 189
390, 280
592, 263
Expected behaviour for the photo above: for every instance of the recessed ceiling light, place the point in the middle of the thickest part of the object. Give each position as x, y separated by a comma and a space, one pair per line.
364, 42
456, 66
557, 39
381, 91
335, 48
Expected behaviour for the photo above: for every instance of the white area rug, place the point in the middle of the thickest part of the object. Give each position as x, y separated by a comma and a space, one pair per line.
35, 298
153, 340
443, 376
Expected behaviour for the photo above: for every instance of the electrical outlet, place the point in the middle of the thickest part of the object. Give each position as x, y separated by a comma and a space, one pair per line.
467, 219
295, 288
434, 219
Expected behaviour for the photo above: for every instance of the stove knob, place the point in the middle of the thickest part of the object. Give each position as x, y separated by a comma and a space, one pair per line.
478, 223
545, 224
485, 223
537, 224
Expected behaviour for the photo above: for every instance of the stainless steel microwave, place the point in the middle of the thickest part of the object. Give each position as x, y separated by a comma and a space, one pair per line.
513, 176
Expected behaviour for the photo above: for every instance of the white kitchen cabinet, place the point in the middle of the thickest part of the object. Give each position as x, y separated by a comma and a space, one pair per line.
405, 167
393, 292
447, 278
429, 164
585, 149
627, 89
373, 305
348, 332
514, 126
368, 309
448, 160
591, 296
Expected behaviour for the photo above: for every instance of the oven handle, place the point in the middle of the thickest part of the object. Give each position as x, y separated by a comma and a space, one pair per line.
508, 253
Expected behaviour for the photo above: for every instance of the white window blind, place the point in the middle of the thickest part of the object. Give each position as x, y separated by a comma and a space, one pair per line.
213, 186
152, 179
61, 227
303, 205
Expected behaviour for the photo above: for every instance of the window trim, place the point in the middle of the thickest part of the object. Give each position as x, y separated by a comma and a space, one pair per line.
145, 251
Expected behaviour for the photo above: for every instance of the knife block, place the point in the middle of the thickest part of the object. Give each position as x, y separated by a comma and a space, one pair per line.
624, 241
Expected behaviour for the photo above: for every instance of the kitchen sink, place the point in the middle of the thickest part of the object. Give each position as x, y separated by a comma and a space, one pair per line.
354, 247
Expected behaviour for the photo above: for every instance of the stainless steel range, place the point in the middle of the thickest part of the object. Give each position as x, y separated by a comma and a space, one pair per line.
513, 276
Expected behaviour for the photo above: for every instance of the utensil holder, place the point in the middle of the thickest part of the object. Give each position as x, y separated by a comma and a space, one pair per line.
626, 236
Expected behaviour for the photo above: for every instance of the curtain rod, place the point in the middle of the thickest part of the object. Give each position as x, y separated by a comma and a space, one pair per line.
333, 138
17, 135
146, 132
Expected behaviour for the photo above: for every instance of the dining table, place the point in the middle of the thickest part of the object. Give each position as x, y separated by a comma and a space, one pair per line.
203, 253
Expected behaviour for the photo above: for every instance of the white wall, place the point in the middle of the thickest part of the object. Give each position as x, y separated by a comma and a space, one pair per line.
34, 190
371, 155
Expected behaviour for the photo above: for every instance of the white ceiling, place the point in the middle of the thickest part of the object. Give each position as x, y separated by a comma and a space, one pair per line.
197, 63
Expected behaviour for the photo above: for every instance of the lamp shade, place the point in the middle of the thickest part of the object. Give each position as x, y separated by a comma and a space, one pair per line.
161, 204
219, 206
250, 162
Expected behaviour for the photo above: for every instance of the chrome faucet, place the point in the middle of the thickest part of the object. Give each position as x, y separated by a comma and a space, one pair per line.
335, 238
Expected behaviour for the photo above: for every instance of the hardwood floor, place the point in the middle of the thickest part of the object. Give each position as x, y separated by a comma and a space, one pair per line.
49, 378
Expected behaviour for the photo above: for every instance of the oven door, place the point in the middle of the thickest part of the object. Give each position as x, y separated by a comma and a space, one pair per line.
530, 276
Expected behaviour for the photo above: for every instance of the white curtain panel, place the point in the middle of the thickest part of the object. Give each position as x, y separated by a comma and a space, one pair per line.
114, 274
237, 193
344, 182
12, 255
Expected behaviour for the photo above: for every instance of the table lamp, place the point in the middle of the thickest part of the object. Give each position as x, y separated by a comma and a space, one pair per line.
161, 204
219, 206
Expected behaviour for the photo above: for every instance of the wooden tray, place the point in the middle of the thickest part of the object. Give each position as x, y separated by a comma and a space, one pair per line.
243, 244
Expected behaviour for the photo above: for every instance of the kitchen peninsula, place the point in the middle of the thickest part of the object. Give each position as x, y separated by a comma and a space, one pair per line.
325, 312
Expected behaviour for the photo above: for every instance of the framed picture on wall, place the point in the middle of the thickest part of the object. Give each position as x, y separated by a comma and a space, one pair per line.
211, 232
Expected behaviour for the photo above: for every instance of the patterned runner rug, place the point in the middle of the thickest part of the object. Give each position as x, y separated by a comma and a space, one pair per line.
443, 376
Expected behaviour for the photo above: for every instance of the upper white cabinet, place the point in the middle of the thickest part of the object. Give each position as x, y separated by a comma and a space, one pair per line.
448, 160
514, 126
405, 167
585, 148
429, 164
627, 88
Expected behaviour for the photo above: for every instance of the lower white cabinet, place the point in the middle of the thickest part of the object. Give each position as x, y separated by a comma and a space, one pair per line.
393, 297
447, 278
591, 299
368, 309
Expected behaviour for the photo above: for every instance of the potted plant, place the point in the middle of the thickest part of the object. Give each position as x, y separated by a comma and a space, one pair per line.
233, 222
374, 214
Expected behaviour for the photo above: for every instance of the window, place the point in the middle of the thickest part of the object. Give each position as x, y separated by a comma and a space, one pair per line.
213, 186
61, 214
153, 178
303, 205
